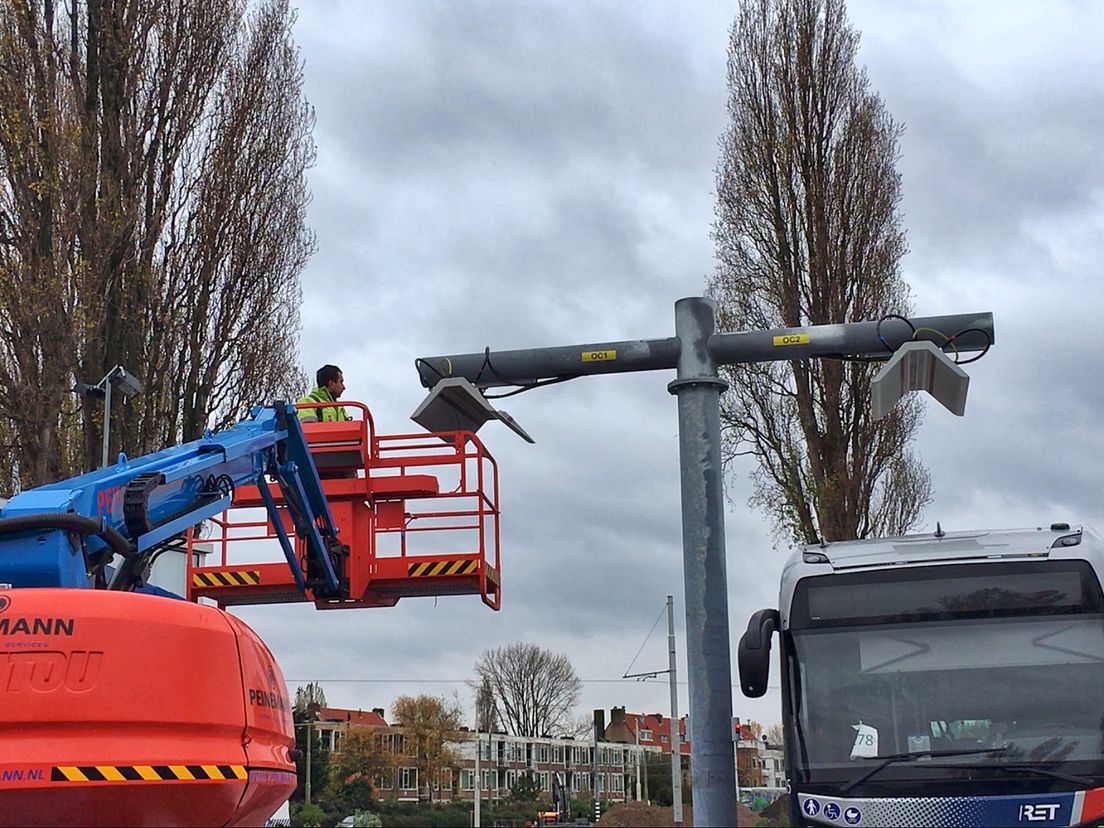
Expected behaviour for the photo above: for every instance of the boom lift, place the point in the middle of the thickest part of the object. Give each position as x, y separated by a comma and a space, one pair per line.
124, 706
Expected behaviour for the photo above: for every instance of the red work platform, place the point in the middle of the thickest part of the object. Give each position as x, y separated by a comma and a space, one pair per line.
419, 513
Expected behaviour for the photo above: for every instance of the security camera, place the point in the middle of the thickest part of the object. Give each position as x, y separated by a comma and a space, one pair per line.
127, 383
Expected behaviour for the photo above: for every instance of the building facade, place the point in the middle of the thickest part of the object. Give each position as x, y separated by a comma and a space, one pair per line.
617, 761
502, 760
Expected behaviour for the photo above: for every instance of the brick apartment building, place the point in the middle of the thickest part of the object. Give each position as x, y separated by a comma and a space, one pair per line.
628, 741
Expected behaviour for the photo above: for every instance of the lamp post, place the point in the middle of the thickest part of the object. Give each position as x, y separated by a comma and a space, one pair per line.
126, 382
478, 777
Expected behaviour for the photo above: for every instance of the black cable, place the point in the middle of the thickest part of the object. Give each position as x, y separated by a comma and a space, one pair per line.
519, 387
528, 387
984, 351
847, 358
419, 361
878, 328
497, 376
483, 367
69, 522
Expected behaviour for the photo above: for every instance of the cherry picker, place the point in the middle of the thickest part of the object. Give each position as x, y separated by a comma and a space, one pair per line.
123, 703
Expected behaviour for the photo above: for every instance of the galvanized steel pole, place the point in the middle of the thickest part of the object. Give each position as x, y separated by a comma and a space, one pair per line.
708, 661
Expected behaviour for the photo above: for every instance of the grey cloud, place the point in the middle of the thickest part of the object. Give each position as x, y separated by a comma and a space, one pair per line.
517, 175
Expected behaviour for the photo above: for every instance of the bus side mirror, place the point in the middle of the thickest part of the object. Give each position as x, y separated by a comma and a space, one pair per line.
753, 654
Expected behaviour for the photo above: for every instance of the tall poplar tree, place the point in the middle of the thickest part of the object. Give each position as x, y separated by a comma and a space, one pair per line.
152, 215
808, 232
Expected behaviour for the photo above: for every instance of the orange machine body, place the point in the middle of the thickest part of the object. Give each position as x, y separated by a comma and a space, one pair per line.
119, 708
126, 709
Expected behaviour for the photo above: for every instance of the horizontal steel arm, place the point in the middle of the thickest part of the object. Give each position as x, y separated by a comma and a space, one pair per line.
961, 332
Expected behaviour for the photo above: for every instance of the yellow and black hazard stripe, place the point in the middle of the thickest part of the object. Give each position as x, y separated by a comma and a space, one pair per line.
432, 568
227, 578
146, 773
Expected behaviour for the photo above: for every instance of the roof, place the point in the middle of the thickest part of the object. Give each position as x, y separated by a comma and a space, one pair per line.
369, 718
1059, 541
942, 546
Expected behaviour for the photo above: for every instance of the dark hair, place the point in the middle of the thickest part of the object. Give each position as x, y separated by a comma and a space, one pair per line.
327, 373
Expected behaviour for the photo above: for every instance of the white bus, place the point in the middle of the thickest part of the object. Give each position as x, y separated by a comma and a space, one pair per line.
954, 679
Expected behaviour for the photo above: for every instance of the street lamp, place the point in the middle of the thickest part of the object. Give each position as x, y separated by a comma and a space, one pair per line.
118, 377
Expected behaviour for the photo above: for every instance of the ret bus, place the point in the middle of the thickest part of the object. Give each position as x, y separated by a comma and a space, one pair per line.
954, 679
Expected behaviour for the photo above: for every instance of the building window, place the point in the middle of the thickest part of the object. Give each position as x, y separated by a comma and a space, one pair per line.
542, 753
444, 780
485, 751
490, 780
645, 735
557, 754
618, 782
408, 779
385, 781
663, 737
545, 781
467, 780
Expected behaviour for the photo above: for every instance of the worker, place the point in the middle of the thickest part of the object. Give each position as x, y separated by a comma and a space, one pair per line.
330, 387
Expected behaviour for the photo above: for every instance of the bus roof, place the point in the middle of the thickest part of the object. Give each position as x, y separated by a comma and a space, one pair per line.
1058, 540
947, 546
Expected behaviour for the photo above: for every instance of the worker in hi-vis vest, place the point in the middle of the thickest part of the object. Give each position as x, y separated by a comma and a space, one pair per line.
331, 385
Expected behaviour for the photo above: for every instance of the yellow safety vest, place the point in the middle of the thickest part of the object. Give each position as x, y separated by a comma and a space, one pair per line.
330, 414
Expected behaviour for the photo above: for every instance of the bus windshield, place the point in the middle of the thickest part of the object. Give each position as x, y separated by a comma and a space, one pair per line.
997, 663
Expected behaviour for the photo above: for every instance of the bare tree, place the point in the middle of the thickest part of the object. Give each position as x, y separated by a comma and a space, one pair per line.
774, 734
486, 719
428, 723
808, 232
309, 699
152, 214
534, 691
37, 200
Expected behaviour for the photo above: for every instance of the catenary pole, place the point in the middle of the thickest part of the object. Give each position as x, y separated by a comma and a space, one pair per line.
676, 741
695, 352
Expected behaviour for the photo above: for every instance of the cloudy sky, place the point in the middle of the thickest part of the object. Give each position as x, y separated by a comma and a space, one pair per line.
524, 174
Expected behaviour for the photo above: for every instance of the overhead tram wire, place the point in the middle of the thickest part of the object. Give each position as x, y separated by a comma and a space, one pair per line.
654, 673
464, 681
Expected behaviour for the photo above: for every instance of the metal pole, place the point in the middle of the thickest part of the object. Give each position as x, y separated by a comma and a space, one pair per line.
676, 742
637, 763
106, 421
478, 781
310, 746
708, 659
595, 783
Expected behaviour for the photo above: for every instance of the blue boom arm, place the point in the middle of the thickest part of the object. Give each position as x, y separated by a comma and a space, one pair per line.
69, 533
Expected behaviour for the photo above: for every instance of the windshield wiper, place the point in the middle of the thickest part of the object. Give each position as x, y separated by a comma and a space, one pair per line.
893, 758
1067, 777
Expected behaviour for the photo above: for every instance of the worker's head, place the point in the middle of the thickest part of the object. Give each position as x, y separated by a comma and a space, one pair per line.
331, 378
